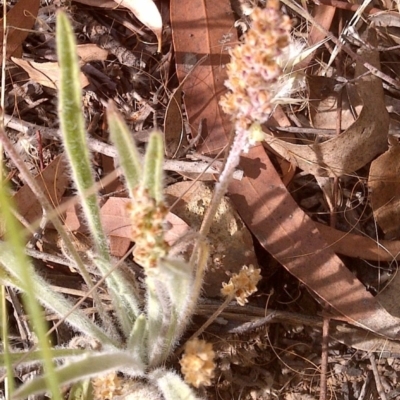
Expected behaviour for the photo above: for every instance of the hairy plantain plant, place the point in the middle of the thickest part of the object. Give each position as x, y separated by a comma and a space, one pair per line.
141, 333
136, 339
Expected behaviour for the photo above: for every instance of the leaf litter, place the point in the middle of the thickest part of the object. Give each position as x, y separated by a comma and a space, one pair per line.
339, 247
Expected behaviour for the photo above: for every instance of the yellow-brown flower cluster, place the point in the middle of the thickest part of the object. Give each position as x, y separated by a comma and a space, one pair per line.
105, 387
254, 70
198, 363
242, 285
147, 228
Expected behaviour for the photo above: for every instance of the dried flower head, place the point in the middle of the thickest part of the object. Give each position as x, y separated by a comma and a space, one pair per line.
106, 386
254, 69
242, 285
147, 228
198, 363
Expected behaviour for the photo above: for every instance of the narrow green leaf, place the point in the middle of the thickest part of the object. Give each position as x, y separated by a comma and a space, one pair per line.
76, 146
87, 367
10, 274
137, 343
35, 356
82, 390
153, 166
128, 154
6, 357
178, 279
74, 132
159, 315
172, 386
25, 272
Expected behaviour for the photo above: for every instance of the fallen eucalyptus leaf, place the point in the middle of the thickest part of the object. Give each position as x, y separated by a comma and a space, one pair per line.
384, 184
355, 147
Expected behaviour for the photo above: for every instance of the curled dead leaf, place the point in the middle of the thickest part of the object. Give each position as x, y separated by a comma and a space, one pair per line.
384, 183
91, 52
147, 13
47, 73
355, 147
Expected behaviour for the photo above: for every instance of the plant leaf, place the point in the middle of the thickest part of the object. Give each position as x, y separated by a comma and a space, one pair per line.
46, 295
36, 356
87, 367
74, 132
76, 146
128, 155
355, 147
172, 386
153, 166
23, 270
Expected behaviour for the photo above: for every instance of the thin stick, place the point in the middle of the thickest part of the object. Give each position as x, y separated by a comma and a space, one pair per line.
378, 382
197, 167
324, 358
305, 14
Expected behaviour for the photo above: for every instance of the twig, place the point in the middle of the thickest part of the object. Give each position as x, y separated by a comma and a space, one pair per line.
378, 382
346, 6
364, 390
210, 320
27, 336
108, 150
324, 358
375, 71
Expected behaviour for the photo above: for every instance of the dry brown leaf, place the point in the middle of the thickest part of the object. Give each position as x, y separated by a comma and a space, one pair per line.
147, 13
47, 74
99, 3
358, 339
174, 134
115, 217
388, 24
355, 147
286, 232
389, 297
357, 246
91, 52
72, 221
20, 19
323, 102
204, 27
384, 183
117, 224
175, 138
178, 228
53, 181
